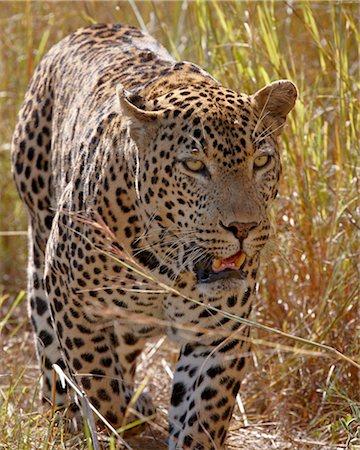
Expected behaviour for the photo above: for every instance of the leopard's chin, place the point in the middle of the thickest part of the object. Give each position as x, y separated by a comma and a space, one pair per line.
206, 277
222, 286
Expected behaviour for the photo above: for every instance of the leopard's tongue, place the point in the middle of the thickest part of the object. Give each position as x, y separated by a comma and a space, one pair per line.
234, 262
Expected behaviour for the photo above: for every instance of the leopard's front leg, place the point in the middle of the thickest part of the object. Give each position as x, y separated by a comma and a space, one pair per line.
206, 382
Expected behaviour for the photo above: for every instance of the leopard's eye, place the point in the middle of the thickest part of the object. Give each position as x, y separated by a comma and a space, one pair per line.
194, 165
261, 161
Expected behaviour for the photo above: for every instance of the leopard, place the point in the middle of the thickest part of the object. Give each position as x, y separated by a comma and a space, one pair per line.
148, 186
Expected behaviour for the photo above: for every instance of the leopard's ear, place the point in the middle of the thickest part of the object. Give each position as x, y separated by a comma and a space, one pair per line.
136, 113
133, 105
274, 102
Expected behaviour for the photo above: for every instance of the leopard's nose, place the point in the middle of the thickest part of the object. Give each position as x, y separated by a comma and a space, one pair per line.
240, 229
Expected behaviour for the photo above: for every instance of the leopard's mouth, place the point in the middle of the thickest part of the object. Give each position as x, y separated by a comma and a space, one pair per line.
210, 269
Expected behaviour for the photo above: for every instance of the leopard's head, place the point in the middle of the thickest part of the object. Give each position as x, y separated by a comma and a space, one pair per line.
207, 168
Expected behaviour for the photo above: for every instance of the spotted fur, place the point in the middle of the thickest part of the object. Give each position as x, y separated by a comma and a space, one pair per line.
110, 130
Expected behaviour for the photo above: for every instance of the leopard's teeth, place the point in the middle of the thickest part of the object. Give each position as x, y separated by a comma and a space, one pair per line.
239, 261
232, 263
216, 265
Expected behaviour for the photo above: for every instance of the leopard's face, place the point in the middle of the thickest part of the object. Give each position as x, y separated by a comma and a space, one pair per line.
209, 167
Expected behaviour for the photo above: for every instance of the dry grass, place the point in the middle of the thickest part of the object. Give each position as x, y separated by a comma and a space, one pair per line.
294, 398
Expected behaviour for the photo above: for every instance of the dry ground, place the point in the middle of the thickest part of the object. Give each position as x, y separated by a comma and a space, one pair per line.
19, 389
